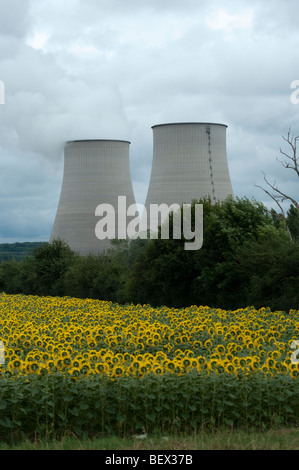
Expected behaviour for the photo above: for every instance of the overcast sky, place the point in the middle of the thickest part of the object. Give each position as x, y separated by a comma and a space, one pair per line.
80, 69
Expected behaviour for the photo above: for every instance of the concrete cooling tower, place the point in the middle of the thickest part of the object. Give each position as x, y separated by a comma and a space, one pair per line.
189, 162
95, 172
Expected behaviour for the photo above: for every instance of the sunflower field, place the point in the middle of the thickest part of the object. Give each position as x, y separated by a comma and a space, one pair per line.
96, 367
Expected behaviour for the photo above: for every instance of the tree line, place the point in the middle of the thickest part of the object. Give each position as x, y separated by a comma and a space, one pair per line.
17, 251
249, 256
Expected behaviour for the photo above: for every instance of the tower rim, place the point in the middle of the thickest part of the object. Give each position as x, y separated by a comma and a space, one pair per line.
97, 140
188, 123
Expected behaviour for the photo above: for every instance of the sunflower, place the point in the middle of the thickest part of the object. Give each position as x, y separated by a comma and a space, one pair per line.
74, 371
67, 361
51, 366
76, 363
93, 357
143, 368
242, 362
34, 366
84, 369
55, 349
91, 343
220, 369
112, 343
178, 370
220, 349
160, 356
229, 367
119, 338
101, 368
270, 362
49, 346
265, 368
215, 355
229, 357
201, 360
186, 362
117, 371
170, 365
17, 363
228, 336
127, 357
135, 364
37, 356
43, 370
59, 363
213, 363
189, 353
208, 343
294, 373
194, 362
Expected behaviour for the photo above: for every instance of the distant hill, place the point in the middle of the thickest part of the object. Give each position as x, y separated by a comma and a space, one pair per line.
17, 251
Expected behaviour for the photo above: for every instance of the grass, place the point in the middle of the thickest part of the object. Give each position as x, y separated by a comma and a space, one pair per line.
281, 439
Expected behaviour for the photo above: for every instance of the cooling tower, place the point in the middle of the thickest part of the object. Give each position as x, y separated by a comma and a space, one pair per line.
189, 162
95, 172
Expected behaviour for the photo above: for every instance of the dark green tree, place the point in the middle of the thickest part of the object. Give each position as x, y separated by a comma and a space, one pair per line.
165, 273
292, 222
227, 226
268, 269
45, 270
11, 277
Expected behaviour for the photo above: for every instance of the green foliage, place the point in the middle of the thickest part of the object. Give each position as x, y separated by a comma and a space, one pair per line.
164, 273
227, 226
95, 277
17, 251
50, 406
11, 280
268, 267
40, 274
45, 270
249, 257
292, 222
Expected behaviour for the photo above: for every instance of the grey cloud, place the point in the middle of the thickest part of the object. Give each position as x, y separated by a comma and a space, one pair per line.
113, 69
279, 18
15, 17
46, 106
26, 210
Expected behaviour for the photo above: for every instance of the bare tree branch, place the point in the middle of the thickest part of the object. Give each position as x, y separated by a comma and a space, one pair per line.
278, 196
272, 196
292, 141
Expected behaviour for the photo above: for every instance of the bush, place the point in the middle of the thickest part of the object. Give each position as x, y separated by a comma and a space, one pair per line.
49, 406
